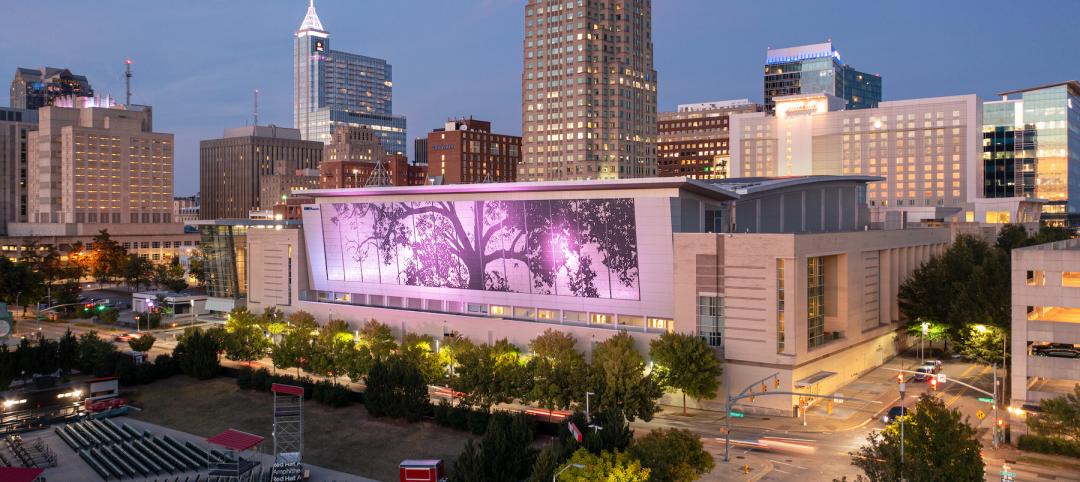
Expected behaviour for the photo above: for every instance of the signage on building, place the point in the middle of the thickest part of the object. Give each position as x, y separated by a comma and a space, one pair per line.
287, 472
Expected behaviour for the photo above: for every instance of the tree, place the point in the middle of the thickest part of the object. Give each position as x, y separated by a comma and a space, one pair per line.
606, 467
685, 362
396, 388
197, 268
136, 271
19, 282
296, 347
614, 432
420, 351
142, 343
333, 347
672, 455
1059, 416
547, 462
109, 315
378, 338
618, 373
494, 245
171, 275
244, 340
502, 454
556, 370
96, 356
938, 446
197, 353
67, 352
490, 375
106, 258
468, 467
983, 343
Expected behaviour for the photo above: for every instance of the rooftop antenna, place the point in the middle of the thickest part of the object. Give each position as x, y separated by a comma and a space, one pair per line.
127, 79
255, 113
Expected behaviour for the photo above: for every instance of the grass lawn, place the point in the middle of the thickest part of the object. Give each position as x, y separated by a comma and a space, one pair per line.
344, 439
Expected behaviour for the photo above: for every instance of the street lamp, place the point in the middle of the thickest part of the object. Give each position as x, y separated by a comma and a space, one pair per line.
556, 476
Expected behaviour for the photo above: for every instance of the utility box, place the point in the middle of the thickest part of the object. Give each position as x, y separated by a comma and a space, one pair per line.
421, 471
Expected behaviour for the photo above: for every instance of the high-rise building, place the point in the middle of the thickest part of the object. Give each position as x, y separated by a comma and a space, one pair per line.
1031, 148
465, 151
588, 91
693, 140
420, 151
251, 167
354, 153
94, 162
817, 68
927, 151
35, 88
15, 124
335, 88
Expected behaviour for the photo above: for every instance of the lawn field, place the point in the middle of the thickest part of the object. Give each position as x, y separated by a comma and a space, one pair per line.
343, 439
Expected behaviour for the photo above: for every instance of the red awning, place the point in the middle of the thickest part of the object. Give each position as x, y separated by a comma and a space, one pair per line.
287, 389
20, 474
235, 439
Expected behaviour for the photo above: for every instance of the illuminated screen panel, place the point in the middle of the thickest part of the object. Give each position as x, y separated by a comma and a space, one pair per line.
576, 247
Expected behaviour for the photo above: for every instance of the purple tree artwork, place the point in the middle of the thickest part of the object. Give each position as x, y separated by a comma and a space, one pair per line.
585, 247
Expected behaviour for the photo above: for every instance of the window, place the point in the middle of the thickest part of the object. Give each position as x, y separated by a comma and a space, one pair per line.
1069, 279
496, 310
575, 317
660, 324
547, 314
477, 308
780, 306
815, 301
1038, 278
601, 318
711, 319
524, 312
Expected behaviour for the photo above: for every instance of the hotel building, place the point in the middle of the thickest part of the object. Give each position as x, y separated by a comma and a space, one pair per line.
928, 150
15, 125
588, 90
817, 68
693, 140
778, 275
1045, 321
465, 151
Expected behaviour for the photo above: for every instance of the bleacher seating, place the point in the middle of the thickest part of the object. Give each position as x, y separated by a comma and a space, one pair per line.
119, 451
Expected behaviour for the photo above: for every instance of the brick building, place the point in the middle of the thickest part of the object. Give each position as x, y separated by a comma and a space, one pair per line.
693, 141
465, 151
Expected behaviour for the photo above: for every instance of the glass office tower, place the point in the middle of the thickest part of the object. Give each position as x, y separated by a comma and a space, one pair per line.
816, 68
1031, 148
334, 88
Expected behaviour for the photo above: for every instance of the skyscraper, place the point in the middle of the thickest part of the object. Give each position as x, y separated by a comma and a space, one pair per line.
15, 124
817, 68
334, 88
588, 90
1031, 148
35, 88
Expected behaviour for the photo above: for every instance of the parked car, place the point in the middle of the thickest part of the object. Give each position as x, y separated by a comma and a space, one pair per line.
935, 363
1059, 353
894, 413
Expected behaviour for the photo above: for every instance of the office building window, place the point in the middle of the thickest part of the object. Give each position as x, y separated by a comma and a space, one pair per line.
780, 306
815, 301
711, 319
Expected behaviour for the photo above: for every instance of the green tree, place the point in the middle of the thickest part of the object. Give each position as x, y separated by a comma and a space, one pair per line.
197, 353
396, 388
686, 363
109, 316
606, 467
420, 351
106, 258
296, 347
171, 275
672, 455
490, 375
142, 343
547, 462
334, 344
67, 352
984, 343
556, 370
244, 340
197, 268
504, 449
19, 282
378, 338
618, 373
96, 356
468, 467
136, 271
938, 446
613, 434
1059, 416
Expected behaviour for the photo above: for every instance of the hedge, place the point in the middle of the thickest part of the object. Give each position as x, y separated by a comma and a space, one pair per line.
1049, 445
324, 392
461, 417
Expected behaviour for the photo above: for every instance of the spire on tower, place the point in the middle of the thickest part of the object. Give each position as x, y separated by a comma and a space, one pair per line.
311, 20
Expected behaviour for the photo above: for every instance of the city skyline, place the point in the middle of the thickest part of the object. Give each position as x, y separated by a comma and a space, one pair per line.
195, 100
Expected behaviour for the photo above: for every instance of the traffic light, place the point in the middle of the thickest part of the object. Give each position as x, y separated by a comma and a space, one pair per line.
764, 388
933, 383
101, 307
829, 407
1001, 423
776, 382
752, 396
899, 378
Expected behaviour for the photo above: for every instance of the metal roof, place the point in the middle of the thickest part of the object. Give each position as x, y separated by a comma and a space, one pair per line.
1073, 85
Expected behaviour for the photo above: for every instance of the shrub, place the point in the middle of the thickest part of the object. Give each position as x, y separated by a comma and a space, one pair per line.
478, 420
1049, 445
165, 366
458, 418
260, 380
145, 373
197, 353
243, 378
441, 413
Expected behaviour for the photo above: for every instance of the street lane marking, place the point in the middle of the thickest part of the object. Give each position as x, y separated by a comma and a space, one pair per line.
785, 463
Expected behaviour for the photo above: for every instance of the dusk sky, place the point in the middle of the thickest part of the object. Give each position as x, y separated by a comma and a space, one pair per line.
197, 62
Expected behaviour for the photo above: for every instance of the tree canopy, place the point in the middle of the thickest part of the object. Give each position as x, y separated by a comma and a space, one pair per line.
618, 373
672, 455
1059, 416
685, 362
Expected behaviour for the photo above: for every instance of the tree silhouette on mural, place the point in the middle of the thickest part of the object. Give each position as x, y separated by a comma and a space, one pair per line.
585, 247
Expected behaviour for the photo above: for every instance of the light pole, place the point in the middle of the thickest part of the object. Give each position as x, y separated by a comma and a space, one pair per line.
588, 418
903, 412
556, 476
925, 331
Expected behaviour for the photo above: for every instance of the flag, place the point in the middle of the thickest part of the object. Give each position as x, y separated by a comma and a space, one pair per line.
574, 430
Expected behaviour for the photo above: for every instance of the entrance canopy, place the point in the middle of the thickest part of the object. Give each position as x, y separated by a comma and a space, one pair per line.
235, 440
812, 379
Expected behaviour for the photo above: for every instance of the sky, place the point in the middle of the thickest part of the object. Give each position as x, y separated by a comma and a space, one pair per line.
198, 61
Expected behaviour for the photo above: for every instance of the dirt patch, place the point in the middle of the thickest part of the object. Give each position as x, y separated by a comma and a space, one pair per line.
343, 439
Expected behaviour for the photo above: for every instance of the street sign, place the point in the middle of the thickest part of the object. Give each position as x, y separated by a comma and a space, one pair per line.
902, 387
941, 378
986, 399
737, 414
980, 415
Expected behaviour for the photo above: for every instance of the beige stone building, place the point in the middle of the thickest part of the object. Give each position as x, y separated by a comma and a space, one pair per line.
92, 162
779, 276
588, 91
1045, 321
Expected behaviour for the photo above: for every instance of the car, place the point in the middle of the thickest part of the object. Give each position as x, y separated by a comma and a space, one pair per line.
1059, 353
935, 363
923, 373
124, 337
894, 414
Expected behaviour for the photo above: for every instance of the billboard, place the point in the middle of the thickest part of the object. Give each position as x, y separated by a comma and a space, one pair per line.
573, 247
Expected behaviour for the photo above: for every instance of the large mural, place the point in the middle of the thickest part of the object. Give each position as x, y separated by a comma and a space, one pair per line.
576, 247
